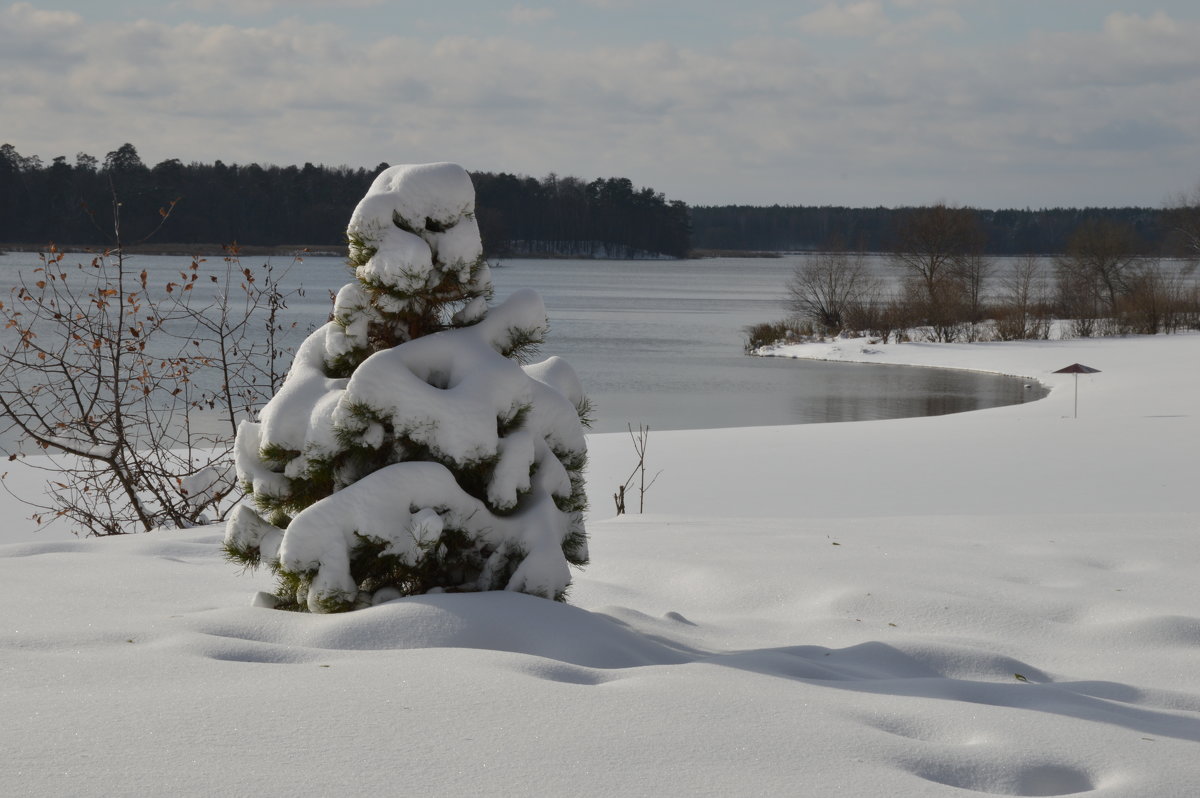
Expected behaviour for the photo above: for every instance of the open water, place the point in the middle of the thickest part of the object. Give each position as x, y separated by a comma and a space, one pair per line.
660, 343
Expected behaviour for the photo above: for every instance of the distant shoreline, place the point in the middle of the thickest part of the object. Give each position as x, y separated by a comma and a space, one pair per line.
188, 250
299, 250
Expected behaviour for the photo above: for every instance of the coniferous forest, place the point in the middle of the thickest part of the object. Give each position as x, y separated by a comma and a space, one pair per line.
70, 203
1005, 232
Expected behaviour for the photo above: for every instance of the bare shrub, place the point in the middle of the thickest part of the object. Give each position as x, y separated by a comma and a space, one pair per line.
776, 332
1157, 301
132, 390
881, 314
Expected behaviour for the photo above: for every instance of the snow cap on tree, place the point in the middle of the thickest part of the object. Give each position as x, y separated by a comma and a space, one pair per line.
415, 231
408, 450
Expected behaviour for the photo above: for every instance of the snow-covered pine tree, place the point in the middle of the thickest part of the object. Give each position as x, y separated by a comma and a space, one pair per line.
409, 451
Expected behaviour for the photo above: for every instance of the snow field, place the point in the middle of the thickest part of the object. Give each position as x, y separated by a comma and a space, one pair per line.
992, 603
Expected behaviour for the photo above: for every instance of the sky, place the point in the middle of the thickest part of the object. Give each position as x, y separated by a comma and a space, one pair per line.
1021, 103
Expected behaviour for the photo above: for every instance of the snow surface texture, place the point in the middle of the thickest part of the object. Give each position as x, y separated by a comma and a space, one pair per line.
430, 413
818, 610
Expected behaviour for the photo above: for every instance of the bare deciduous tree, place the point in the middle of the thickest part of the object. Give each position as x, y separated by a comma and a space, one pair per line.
971, 272
826, 286
1101, 265
1022, 298
1184, 218
939, 248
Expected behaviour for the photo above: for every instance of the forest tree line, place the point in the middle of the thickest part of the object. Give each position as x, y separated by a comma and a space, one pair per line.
70, 203
1047, 231
950, 290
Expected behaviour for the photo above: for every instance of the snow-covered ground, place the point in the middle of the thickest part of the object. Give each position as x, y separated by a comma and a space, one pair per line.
1000, 602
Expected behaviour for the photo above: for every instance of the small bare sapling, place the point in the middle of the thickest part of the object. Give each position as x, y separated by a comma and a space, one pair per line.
640, 439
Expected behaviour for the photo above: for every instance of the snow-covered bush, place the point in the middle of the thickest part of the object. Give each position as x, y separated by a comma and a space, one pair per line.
408, 450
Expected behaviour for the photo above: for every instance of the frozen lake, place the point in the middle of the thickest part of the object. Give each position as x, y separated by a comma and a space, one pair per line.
660, 343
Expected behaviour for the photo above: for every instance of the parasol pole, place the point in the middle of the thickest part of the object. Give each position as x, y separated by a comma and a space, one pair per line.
1077, 369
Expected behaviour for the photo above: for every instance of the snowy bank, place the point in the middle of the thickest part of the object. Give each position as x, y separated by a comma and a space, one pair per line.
998, 602
1135, 419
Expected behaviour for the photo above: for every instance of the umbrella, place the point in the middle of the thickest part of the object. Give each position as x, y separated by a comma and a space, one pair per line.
1077, 369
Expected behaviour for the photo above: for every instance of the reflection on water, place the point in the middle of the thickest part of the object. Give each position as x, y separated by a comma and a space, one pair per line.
859, 392
784, 391
660, 343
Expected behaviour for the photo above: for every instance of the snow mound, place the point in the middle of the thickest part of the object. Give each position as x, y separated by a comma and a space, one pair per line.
900, 677
510, 622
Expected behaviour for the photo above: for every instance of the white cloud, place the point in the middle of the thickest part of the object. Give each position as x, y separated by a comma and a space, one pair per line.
913, 30
855, 19
25, 14
870, 19
763, 120
23, 27
245, 7
612, 4
929, 3
1130, 50
524, 15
